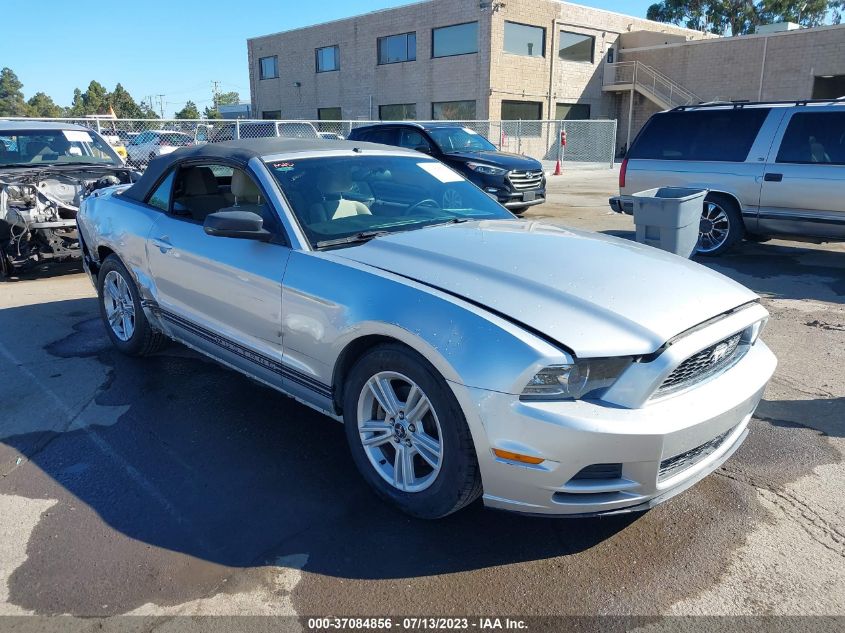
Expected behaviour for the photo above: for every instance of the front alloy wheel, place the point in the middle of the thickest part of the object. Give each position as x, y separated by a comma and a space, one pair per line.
400, 432
407, 434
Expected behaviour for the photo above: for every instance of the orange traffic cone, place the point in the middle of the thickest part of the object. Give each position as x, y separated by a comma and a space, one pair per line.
558, 171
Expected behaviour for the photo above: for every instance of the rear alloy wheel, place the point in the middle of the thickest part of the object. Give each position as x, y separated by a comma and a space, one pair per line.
720, 227
408, 435
121, 311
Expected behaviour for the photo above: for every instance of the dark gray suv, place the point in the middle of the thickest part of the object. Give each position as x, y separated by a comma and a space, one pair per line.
516, 181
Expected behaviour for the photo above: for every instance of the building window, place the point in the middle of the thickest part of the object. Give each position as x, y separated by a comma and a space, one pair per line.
328, 59
525, 110
453, 111
522, 39
398, 112
572, 112
329, 114
575, 47
271, 115
268, 67
397, 48
460, 39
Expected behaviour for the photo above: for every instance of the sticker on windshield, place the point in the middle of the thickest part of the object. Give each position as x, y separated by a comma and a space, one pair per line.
469, 131
77, 136
283, 166
441, 172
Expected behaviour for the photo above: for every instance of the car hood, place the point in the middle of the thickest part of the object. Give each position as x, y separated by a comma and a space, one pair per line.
506, 160
595, 294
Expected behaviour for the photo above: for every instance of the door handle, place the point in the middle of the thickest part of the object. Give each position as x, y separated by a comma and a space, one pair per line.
162, 243
773, 177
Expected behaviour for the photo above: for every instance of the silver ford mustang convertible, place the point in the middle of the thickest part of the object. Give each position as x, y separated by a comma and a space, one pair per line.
468, 353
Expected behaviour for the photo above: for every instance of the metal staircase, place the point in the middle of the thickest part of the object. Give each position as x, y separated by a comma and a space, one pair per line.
649, 82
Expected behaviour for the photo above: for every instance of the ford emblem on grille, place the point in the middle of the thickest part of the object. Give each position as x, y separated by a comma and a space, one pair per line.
720, 352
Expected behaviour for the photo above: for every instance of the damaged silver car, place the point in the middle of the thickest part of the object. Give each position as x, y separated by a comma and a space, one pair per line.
46, 170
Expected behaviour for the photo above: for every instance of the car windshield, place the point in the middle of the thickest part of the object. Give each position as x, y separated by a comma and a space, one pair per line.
297, 130
459, 139
54, 147
351, 197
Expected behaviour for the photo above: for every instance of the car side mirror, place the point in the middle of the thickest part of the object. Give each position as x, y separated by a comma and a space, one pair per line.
424, 149
238, 224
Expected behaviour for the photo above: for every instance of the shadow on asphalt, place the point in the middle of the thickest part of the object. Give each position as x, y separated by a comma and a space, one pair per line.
203, 461
781, 270
45, 271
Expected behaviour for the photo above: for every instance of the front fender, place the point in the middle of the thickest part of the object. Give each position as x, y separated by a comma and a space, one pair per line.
331, 302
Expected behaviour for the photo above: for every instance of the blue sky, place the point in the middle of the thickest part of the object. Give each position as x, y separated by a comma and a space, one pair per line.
170, 47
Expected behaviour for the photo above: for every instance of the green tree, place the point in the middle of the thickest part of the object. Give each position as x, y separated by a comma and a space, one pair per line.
42, 105
77, 107
11, 94
123, 104
805, 12
741, 17
190, 111
228, 98
211, 113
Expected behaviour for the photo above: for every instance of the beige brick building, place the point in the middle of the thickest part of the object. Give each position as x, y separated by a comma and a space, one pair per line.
354, 68
527, 59
779, 66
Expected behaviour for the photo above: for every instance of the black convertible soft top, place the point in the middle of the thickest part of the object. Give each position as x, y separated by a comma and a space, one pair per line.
239, 152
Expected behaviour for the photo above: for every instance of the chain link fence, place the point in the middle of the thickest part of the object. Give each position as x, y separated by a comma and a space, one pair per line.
589, 141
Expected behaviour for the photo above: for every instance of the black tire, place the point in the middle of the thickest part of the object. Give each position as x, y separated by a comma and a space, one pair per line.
144, 340
6, 268
757, 239
458, 482
736, 226
519, 211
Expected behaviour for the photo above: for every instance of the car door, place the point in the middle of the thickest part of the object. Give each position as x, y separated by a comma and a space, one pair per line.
137, 146
803, 189
219, 294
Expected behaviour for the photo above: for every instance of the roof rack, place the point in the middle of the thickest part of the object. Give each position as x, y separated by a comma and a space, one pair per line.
738, 105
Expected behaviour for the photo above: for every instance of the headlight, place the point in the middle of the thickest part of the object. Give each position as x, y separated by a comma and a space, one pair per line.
575, 381
486, 169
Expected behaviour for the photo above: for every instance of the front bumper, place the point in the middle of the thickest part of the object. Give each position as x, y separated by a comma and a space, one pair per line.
519, 203
651, 443
622, 204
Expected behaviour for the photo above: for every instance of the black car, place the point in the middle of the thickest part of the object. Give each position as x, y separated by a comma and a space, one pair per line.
516, 181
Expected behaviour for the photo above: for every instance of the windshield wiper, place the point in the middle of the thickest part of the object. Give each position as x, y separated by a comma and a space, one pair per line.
358, 238
449, 221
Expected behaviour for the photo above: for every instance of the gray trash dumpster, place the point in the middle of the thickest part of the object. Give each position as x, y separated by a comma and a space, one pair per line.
668, 218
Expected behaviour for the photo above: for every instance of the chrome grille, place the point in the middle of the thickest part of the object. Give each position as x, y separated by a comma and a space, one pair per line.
679, 463
525, 180
704, 364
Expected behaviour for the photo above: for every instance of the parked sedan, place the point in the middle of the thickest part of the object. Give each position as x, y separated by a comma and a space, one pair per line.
154, 143
468, 354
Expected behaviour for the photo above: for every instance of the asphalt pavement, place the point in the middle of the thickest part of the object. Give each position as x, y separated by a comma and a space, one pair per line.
172, 486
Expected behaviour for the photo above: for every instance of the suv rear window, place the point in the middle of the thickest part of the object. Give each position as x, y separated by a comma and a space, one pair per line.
702, 135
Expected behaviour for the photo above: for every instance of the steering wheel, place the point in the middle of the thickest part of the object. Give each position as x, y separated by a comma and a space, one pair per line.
424, 202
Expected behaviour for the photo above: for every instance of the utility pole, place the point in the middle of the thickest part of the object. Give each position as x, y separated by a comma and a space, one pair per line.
161, 105
215, 94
